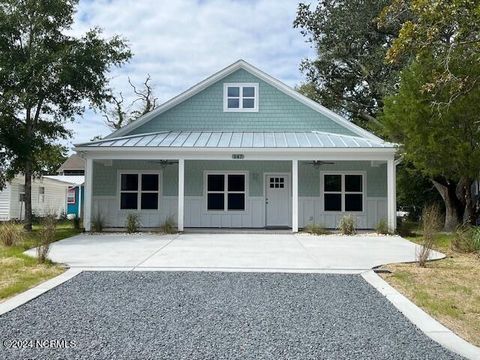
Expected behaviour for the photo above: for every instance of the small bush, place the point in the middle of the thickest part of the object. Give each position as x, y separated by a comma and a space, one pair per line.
11, 234
46, 236
132, 224
316, 229
466, 239
406, 227
432, 223
97, 223
347, 225
168, 227
382, 227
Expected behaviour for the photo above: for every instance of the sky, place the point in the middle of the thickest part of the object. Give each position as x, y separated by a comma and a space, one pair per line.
181, 42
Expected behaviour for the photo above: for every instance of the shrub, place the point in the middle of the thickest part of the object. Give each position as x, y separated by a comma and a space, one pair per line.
431, 223
406, 227
132, 224
347, 225
97, 223
316, 229
168, 227
46, 236
76, 223
466, 239
382, 227
10, 234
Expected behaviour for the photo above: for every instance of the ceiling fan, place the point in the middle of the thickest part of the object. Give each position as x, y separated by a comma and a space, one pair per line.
318, 163
163, 163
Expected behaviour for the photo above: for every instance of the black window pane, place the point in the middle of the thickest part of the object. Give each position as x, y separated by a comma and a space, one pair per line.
333, 183
248, 103
333, 202
233, 103
233, 91
353, 202
236, 182
249, 91
128, 201
236, 201
149, 201
216, 202
216, 182
353, 183
129, 182
150, 182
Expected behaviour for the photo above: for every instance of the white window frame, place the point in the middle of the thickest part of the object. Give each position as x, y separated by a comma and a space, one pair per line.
41, 194
343, 192
240, 97
139, 190
69, 191
225, 191
21, 191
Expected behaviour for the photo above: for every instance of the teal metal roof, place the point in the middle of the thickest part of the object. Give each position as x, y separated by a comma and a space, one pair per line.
220, 139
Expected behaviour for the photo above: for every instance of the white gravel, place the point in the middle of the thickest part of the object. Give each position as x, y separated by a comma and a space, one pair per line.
201, 315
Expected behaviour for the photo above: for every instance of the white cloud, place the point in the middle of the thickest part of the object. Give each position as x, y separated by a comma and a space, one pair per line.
180, 42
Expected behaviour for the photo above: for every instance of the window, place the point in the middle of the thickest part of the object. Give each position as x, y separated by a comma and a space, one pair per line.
71, 195
240, 97
277, 183
226, 192
41, 194
21, 191
139, 191
343, 192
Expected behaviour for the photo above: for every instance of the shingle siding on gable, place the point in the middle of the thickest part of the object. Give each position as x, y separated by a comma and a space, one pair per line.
277, 112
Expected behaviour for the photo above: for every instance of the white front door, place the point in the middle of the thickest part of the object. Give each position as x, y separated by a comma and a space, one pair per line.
277, 200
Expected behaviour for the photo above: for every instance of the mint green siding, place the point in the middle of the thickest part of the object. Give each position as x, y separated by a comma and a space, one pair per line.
277, 112
105, 177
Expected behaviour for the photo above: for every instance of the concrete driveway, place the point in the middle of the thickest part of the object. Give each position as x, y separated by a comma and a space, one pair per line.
232, 252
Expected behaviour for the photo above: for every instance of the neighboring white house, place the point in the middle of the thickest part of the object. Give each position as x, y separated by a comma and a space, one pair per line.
49, 195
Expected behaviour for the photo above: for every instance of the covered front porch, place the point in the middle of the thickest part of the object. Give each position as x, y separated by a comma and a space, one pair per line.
232, 189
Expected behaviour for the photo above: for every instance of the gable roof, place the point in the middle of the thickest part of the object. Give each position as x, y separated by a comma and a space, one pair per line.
241, 64
74, 162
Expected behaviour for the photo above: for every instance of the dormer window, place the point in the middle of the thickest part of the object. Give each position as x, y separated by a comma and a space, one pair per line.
240, 97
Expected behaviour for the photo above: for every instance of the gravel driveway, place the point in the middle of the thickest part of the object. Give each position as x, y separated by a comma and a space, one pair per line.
200, 315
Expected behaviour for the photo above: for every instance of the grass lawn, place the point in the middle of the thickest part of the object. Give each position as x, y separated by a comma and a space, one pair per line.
19, 272
448, 289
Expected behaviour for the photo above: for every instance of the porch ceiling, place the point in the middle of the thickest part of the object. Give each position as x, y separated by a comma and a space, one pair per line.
238, 140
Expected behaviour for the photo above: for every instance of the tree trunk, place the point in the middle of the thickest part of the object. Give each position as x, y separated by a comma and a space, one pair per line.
453, 207
27, 224
464, 193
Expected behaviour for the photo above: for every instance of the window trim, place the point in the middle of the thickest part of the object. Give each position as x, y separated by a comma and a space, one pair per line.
139, 190
225, 192
69, 190
343, 192
240, 108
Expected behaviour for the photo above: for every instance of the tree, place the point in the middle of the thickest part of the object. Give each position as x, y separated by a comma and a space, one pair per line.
46, 75
119, 115
444, 145
349, 74
444, 38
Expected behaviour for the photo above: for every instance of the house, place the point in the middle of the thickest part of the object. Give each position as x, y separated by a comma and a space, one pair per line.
240, 150
73, 169
49, 195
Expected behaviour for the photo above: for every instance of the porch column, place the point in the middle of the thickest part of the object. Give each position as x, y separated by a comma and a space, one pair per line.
181, 193
391, 195
294, 196
87, 219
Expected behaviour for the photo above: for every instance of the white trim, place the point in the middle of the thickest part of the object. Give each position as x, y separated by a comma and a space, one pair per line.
391, 195
181, 194
225, 191
294, 196
87, 222
240, 97
241, 64
139, 190
342, 192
